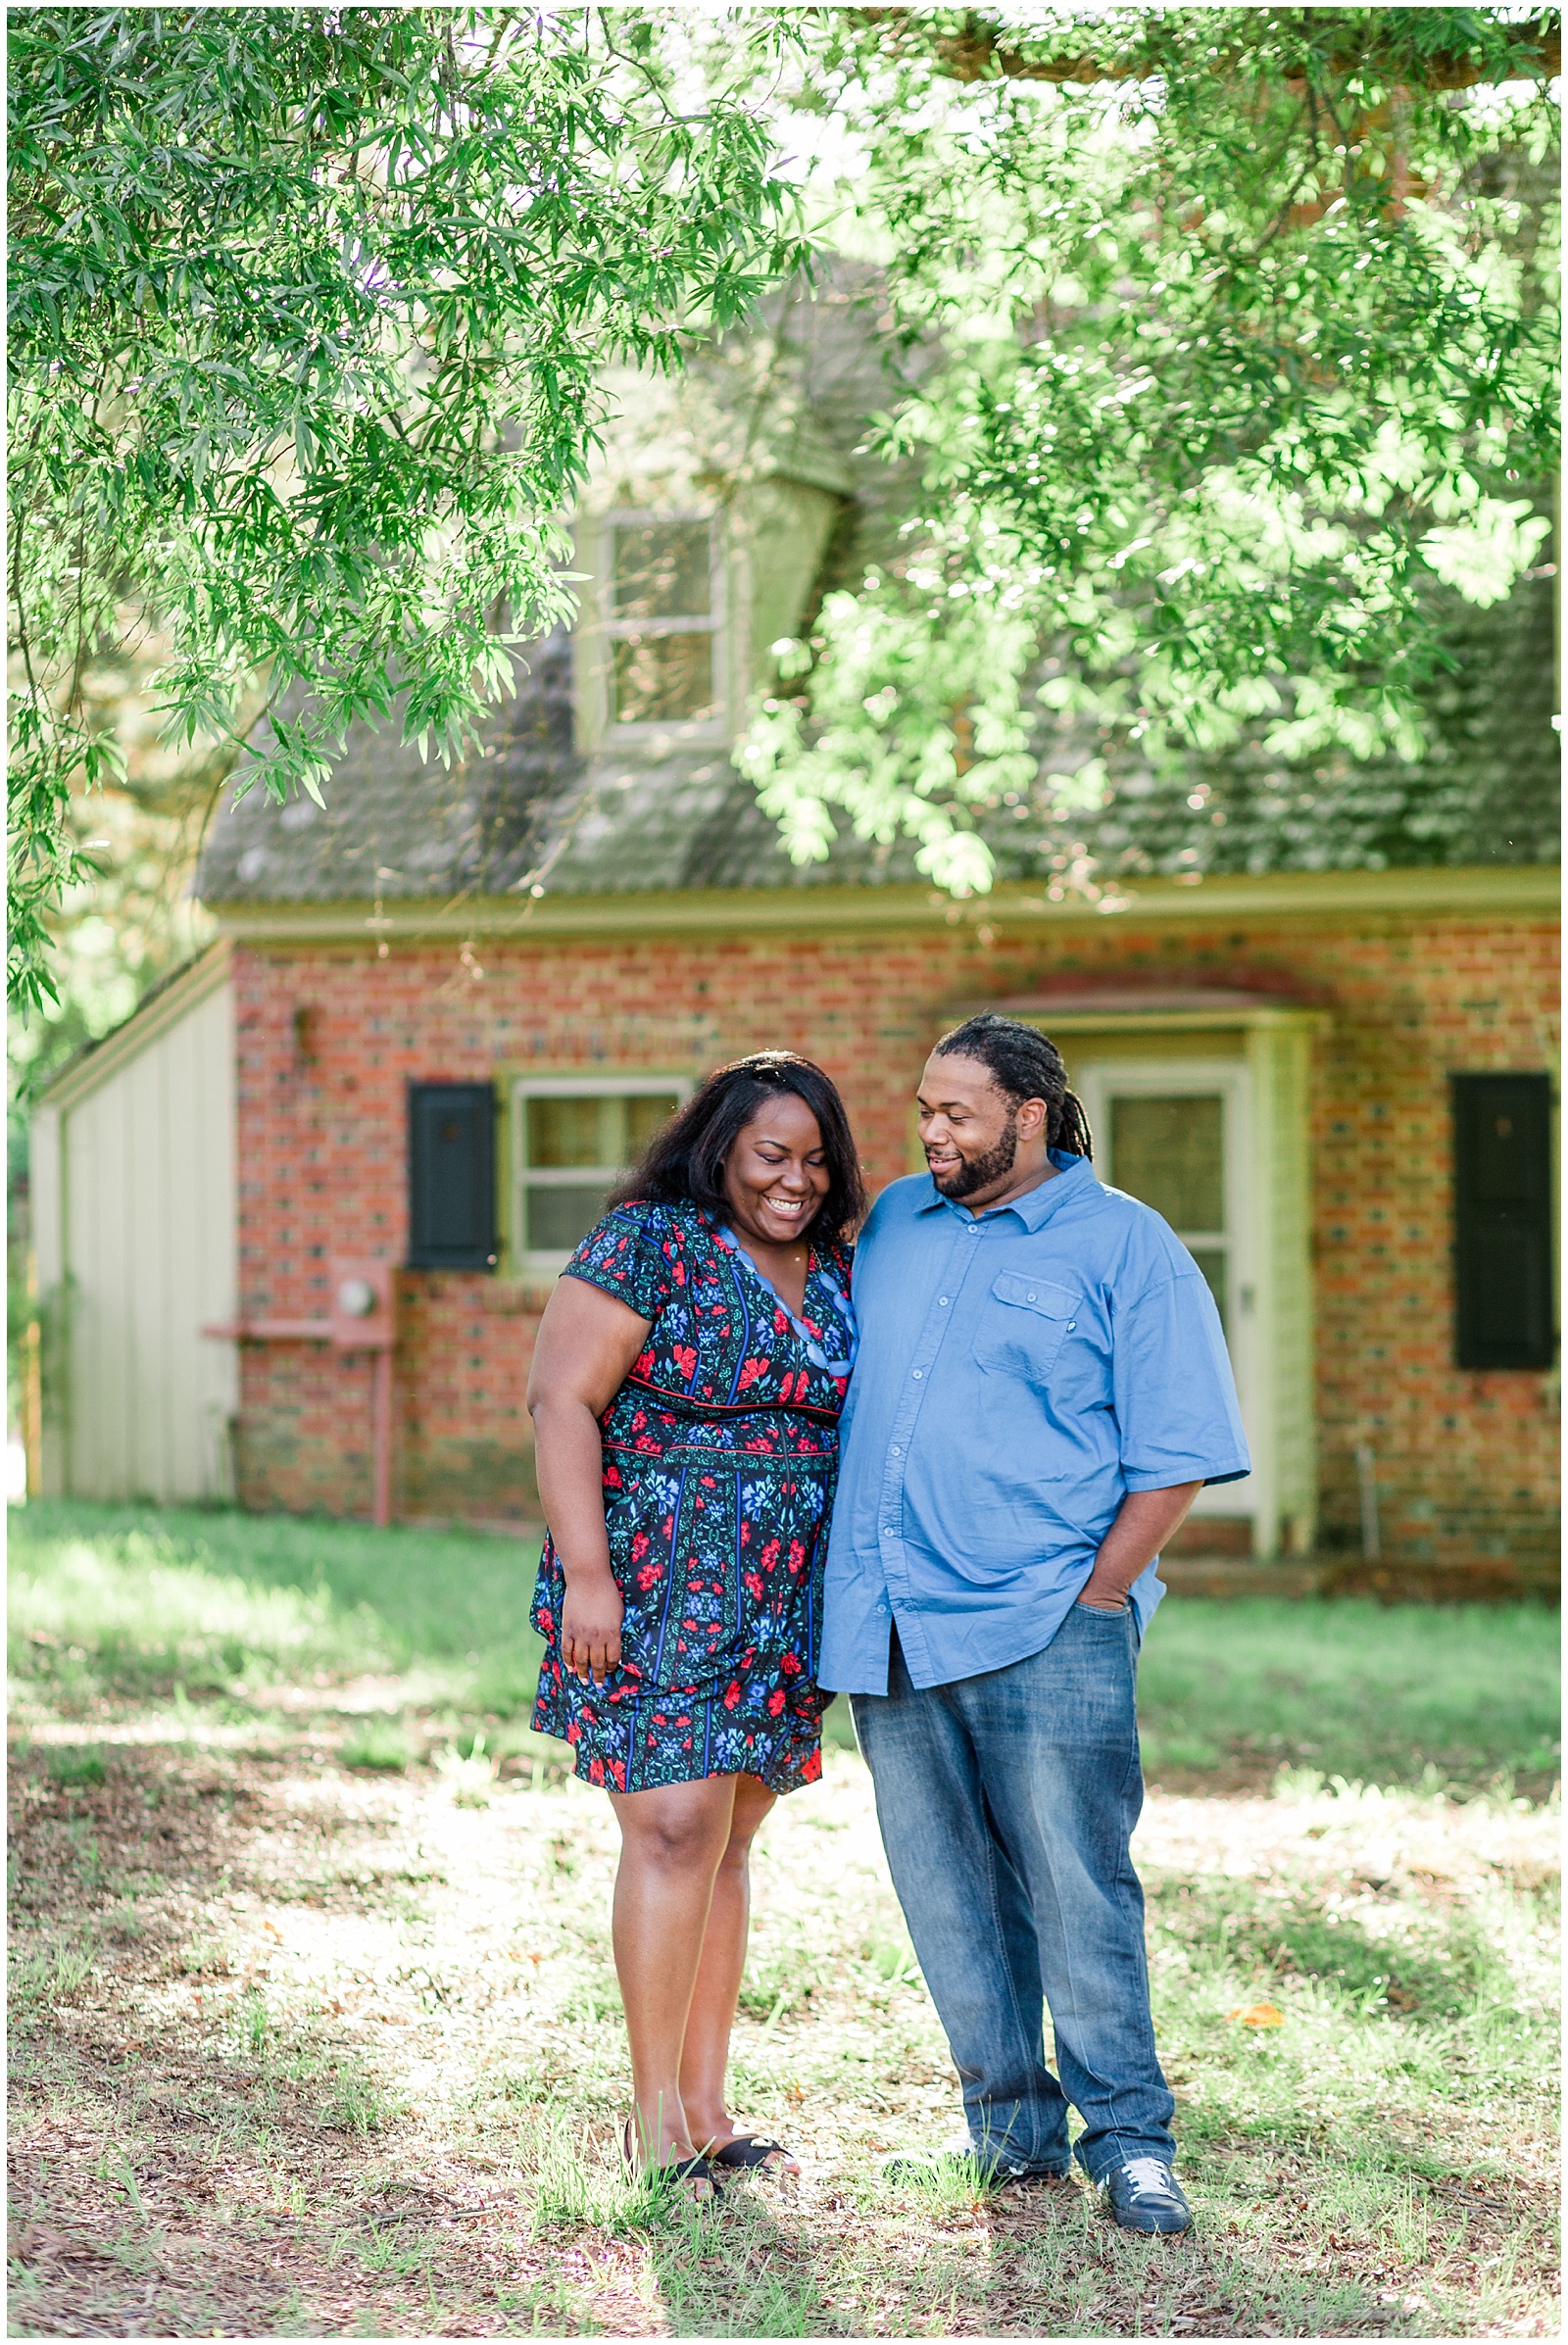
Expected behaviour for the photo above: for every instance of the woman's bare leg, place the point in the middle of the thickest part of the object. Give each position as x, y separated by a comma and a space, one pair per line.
705, 2055
674, 1841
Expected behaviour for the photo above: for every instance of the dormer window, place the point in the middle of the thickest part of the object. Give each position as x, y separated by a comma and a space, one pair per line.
662, 621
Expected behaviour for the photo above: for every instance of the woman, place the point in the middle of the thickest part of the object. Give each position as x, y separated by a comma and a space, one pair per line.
686, 1387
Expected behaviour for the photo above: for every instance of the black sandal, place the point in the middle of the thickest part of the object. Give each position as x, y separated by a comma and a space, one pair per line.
686, 2170
749, 2150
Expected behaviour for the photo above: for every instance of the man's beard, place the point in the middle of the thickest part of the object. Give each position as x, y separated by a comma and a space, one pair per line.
978, 1172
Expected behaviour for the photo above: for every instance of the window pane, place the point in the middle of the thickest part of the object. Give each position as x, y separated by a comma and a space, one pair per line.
1171, 1153
664, 569
559, 1218
661, 679
565, 1131
1210, 1260
644, 1115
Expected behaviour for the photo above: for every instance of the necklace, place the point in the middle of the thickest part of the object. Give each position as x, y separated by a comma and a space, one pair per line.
812, 1349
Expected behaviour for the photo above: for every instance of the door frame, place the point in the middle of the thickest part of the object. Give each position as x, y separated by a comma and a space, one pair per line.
1098, 1081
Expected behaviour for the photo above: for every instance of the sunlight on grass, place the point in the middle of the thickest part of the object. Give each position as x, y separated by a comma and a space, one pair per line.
1354, 1688
421, 1976
133, 1607
192, 1605
349, 1972
124, 1600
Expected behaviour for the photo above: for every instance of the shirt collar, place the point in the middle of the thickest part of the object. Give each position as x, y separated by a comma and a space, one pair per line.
1037, 1205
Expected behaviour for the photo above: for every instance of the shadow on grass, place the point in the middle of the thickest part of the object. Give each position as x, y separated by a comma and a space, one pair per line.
134, 1602
194, 2151
201, 2146
1453, 1696
1025, 2263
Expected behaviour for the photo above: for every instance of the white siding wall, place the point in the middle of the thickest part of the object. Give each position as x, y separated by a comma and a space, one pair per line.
147, 1171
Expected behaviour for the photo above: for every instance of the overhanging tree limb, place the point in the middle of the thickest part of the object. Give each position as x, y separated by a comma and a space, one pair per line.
309, 317
1433, 49
1225, 372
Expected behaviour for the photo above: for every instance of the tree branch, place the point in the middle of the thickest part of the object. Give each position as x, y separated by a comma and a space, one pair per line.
978, 53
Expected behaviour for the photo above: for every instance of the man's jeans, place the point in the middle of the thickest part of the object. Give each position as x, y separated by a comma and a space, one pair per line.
1006, 1803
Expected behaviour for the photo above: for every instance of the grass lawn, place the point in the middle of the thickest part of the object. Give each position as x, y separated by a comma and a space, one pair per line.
315, 2028
1460, 1695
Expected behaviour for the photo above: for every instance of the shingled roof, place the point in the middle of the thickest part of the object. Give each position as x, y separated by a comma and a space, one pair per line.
527, 812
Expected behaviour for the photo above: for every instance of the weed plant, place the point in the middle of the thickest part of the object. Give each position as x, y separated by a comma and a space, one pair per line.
379, 1745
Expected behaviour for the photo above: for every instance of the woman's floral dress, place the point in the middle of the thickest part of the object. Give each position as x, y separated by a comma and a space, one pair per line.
720, 1452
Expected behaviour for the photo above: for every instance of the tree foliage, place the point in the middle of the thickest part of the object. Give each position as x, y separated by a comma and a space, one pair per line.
309, 316
1231, 340
1241, 342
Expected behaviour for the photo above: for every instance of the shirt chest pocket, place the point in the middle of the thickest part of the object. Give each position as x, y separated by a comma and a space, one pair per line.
1025, 1322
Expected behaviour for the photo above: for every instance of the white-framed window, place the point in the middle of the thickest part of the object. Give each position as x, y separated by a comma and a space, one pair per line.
1169, 1147
661, 623
573, 1137
1177, 1135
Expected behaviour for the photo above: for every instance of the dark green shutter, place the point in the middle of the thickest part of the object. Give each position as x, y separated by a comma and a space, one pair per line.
1502, 1221
452, 1176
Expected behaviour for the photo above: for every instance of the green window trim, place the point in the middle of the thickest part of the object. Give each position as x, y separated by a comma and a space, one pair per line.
569, 1138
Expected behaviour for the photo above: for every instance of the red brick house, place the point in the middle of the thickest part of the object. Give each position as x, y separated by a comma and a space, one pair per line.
360, 1134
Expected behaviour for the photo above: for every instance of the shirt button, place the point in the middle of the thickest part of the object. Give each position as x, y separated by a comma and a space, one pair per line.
894, 1451
920, 1371
942, 1298
1072, 1326
1030, 1297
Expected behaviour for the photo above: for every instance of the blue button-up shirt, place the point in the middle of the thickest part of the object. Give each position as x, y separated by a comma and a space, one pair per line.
1021, 1371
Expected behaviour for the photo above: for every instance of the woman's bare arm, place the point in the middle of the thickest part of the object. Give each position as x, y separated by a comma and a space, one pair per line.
585, 1349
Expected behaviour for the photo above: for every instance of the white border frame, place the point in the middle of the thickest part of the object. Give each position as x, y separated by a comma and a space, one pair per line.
1097, 1083
523, 1088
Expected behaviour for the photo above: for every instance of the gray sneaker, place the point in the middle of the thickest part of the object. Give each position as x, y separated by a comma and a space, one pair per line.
1145, 2196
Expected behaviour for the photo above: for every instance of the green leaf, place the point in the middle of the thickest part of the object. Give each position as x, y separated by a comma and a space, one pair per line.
293, 363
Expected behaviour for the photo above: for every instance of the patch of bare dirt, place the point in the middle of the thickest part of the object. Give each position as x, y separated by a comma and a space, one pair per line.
303, 2052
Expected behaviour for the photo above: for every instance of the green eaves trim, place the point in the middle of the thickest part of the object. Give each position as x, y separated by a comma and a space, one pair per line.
1524, 890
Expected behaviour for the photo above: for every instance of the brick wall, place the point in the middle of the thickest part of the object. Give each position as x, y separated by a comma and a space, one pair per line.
1467, 1461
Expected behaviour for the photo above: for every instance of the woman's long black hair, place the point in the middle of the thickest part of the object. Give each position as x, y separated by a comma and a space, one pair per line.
684, 1161
1026, 1066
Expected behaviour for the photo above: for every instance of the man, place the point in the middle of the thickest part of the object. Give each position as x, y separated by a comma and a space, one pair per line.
1042, 1391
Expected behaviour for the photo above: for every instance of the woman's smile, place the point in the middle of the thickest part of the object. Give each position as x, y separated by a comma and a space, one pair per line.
775, 1181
